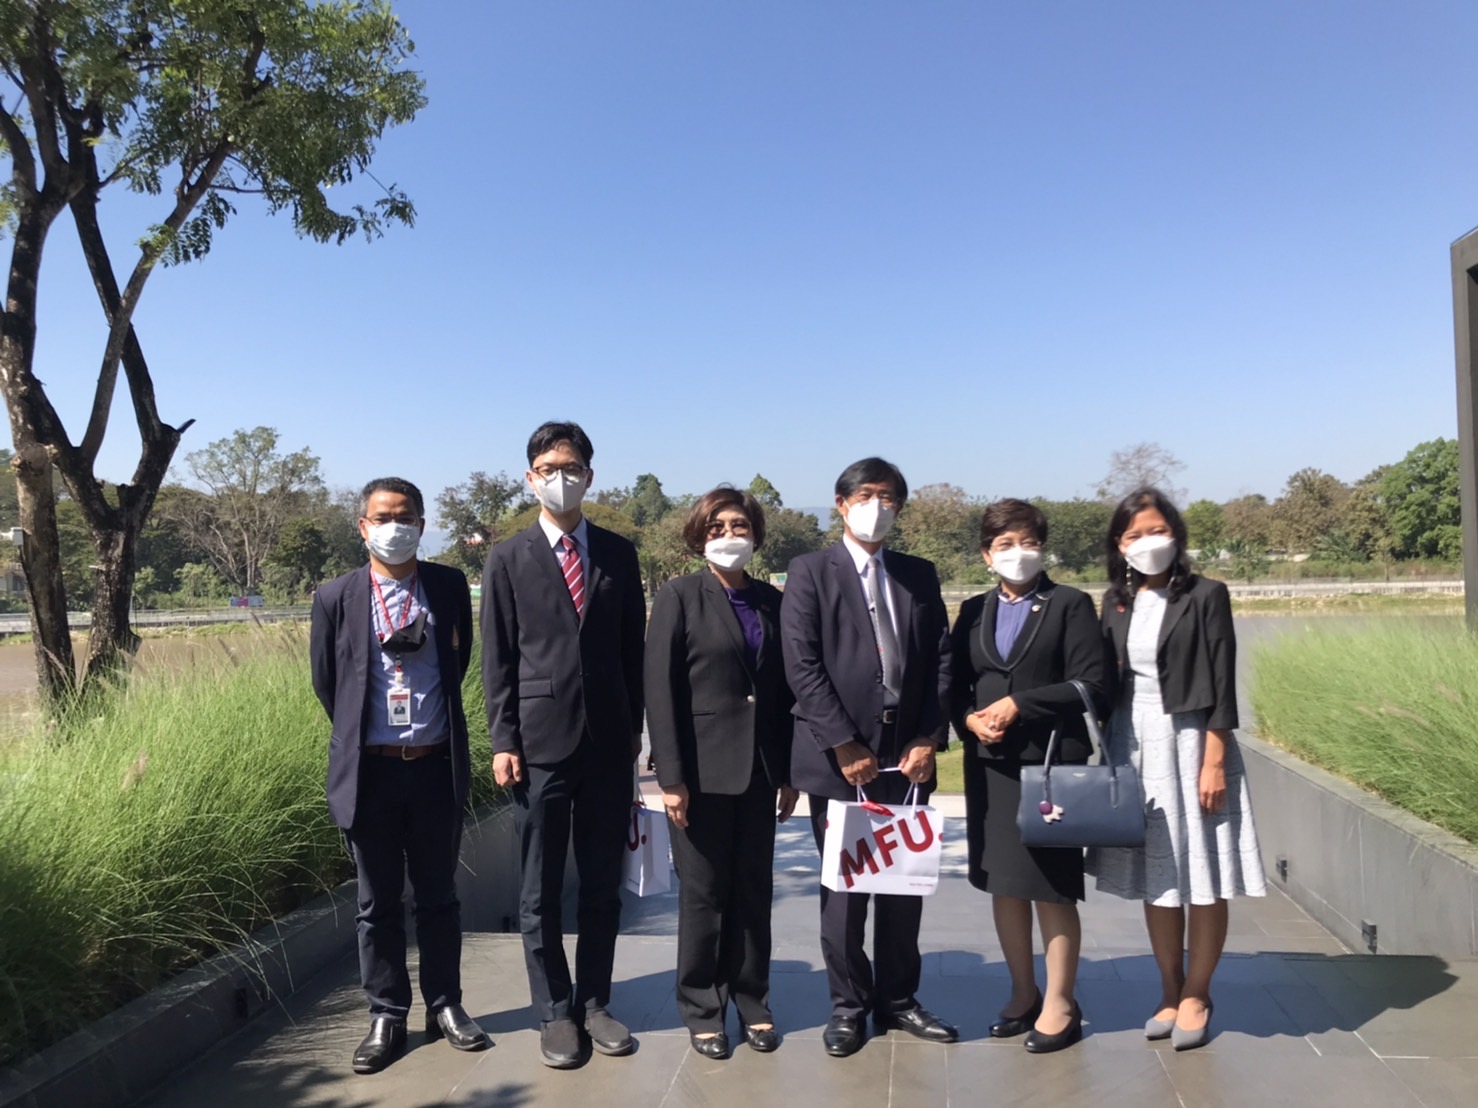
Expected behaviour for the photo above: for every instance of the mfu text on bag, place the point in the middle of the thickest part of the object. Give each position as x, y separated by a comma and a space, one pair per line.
878, 848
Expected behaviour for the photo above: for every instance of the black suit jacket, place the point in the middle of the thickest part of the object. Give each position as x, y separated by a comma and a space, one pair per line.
341, 648
1198, 651
549, 677
1060, 642
709, 712
831, 660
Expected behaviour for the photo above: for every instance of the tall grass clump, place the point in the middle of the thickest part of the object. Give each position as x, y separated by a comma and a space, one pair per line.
1393, 708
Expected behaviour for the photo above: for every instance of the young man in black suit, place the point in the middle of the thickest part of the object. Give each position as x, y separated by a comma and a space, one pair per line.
389, 646
563, 617
867, 654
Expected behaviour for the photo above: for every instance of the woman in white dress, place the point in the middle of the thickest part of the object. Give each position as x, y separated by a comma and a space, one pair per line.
1176, 708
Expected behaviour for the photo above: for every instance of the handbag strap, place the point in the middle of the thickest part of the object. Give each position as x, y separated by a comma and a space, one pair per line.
1095, 733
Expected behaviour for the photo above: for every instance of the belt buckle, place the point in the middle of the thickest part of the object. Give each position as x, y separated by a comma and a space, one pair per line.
404, 755
890, 715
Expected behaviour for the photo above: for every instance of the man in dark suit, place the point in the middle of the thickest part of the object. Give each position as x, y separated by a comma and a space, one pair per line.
563, 616
390, 644
867, 654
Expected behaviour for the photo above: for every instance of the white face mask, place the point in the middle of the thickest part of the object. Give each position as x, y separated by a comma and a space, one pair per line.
559, 492
729, 551
1017, 564
1151, 555
869, 521
393, 543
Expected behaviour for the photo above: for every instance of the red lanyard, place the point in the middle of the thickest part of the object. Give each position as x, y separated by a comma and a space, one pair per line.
405, 605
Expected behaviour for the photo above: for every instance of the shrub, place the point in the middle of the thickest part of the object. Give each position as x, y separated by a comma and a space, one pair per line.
1392, 708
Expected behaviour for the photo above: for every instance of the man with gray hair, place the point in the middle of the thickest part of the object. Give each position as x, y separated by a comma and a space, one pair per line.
390, 644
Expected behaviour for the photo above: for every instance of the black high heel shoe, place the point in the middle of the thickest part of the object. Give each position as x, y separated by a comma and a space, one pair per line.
1008, 1027
1038, 1042
715, 1046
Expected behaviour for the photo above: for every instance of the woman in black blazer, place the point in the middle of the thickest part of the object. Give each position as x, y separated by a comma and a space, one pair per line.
718, 712
1015, 651
1176, 707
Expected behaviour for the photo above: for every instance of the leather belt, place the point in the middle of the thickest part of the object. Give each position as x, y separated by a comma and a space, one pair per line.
407, 753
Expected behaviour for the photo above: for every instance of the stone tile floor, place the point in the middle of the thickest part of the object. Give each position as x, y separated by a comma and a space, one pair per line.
1299, 1020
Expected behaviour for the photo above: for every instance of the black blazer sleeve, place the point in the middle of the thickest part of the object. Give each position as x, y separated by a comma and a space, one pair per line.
666, 654
633, 634
1083, 659
500, 655
1221, 649
959, 701
816, 698
321, 654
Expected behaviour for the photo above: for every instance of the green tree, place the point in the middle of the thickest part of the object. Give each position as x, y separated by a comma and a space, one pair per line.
1246, 559
197, 103
1310, 508
648, 503
1205, 525
251, 491
1367, 518
767, 494
602, 515
1248, 518
941, 523
1076, 530
472, 514
1420, 493
789, 533
299, 555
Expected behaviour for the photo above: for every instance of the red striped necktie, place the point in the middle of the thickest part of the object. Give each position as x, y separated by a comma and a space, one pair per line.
574, 575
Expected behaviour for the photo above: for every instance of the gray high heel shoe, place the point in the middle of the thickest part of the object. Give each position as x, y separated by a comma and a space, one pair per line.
1158, 1029
1182, 1039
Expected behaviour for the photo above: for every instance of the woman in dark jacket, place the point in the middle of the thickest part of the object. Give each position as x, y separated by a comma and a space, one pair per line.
1176, 707
718, 712
1015, 651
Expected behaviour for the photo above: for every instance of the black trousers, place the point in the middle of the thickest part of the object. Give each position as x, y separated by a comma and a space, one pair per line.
585, 799
407, 822
725, 862
887, 983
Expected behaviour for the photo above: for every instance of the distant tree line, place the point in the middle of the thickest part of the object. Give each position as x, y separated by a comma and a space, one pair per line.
246, 517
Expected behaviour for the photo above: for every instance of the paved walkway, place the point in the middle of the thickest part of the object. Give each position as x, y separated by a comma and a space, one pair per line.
1299, 1020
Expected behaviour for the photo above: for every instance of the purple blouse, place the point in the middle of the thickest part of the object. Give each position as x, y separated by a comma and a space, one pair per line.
749, 622
1010, 619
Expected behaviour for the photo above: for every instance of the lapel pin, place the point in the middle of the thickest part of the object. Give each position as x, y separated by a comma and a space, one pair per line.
1036, 607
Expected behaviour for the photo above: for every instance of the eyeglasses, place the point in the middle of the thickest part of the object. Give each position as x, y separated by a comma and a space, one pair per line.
381, 519
570, 469
886, 499
739, 528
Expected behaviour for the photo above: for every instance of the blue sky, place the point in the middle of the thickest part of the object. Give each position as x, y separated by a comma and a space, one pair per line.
992, 242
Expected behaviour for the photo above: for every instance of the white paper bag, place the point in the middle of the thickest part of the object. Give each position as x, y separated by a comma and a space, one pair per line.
882, 848
647, 869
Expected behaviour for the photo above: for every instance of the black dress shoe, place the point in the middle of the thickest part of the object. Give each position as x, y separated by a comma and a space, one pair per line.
1038, 1042
1008, 1027
453, 1024
844, 1036
920, 1022
608, 1034
559, 1043
383, 1044
714, 1046
763, 1039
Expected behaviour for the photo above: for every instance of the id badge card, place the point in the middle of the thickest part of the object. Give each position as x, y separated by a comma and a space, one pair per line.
398, 706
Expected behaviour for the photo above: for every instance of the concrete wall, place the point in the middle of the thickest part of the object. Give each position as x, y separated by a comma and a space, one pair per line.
1351, 857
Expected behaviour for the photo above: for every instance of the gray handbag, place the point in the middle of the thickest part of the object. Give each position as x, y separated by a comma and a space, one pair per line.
1077, 806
